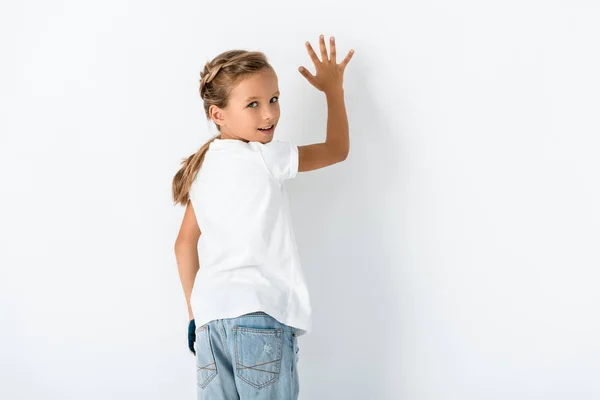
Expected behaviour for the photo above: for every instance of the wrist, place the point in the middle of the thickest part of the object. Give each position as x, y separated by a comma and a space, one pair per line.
337, 91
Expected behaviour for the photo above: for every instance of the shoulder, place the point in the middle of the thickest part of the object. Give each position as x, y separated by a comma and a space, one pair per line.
280, 157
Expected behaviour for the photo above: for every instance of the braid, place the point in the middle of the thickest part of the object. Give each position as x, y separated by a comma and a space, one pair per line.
212, 69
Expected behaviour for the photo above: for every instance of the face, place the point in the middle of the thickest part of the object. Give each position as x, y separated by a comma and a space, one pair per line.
253, 104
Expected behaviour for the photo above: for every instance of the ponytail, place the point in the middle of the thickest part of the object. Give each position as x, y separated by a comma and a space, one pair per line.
184, 178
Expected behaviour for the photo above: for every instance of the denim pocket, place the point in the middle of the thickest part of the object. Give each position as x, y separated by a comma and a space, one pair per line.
206, 369
258, 355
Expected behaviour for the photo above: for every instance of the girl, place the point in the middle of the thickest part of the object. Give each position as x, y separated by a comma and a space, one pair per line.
250, 300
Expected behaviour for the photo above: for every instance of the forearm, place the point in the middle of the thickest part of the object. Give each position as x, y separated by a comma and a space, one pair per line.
337, 121
188, 264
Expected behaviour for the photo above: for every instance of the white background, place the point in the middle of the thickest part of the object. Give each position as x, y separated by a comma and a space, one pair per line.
453, 255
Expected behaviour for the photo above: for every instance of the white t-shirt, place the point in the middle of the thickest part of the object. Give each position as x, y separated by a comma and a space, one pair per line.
247, 250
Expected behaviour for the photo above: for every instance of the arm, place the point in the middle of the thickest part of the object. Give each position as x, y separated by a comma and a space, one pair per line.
337, 144
186, 253
337, 123
329, 80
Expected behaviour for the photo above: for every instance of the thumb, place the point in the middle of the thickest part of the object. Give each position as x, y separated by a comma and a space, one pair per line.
307, 75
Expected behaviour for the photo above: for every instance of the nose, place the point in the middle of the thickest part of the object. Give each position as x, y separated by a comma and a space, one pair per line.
269, 116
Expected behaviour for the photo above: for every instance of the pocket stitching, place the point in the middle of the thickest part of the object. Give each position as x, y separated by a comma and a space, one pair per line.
204, 331
271, 331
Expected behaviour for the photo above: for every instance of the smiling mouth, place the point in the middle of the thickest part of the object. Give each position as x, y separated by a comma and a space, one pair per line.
268, 130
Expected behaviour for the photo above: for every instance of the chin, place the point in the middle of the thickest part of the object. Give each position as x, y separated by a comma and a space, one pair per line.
265, 138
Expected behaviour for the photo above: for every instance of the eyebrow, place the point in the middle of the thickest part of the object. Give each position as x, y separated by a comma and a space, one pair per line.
256, 97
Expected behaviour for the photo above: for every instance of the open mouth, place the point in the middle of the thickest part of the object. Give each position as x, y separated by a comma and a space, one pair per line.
267, 130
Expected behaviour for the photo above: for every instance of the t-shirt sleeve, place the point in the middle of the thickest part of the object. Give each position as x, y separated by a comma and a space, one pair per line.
281, 159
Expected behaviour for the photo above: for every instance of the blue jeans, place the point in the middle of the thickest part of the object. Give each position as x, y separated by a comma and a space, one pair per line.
253, 356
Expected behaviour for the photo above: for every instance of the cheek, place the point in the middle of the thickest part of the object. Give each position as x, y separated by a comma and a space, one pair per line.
244, 121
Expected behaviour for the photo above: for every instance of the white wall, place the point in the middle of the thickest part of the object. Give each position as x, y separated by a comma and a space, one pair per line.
454, 255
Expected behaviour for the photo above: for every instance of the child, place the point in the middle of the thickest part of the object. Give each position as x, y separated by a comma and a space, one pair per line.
250, 300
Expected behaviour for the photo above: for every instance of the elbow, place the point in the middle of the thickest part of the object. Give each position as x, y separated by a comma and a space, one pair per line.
344, 151
344, 155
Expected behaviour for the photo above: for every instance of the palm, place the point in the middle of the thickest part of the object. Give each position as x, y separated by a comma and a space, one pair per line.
329, 74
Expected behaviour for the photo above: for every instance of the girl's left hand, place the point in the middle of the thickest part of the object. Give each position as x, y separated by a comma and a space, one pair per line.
192, 336
330, 75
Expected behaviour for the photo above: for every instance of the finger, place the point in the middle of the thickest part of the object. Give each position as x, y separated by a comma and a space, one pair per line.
332, 50
312, 54
323, 48
347, 59
306, 73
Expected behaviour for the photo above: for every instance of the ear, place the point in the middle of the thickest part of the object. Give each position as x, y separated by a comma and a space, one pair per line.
216, 114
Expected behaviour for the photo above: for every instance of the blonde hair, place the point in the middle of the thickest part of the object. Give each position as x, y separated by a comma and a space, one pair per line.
217, 80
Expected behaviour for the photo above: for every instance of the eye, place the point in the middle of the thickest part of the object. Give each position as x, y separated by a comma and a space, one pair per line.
275, 97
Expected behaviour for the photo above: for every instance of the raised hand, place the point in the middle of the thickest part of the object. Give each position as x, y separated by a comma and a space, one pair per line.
329, 75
